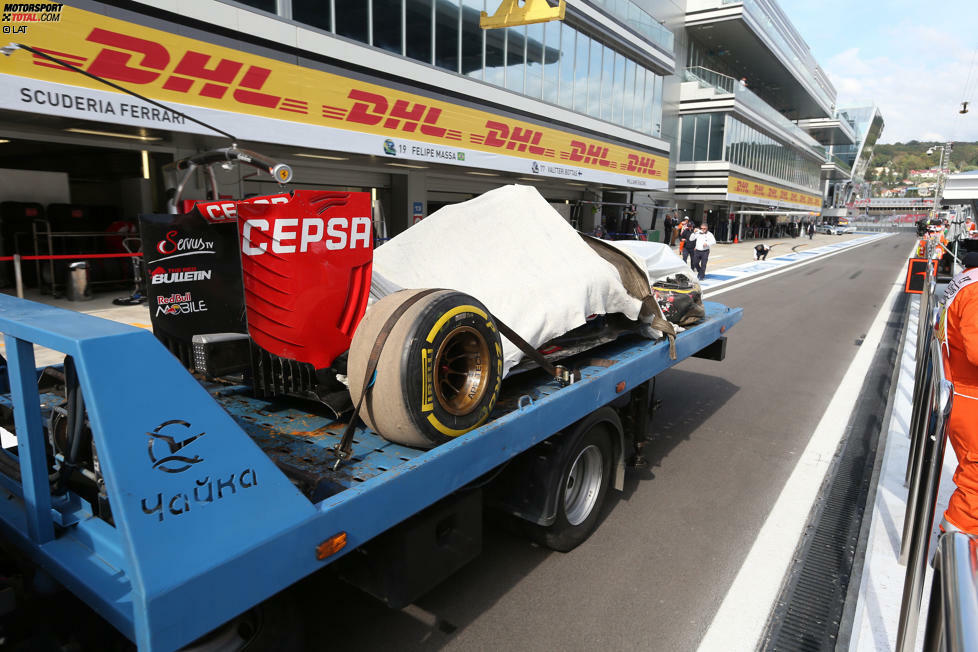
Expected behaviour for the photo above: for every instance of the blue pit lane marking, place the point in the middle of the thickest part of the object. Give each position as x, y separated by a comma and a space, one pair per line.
747, 270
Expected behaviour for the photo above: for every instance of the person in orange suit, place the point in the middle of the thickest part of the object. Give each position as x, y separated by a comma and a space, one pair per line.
957, 331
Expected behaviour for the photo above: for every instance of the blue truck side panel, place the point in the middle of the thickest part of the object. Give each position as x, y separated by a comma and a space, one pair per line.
206, 525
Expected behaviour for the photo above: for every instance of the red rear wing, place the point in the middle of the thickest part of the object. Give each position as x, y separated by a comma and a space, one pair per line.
306, 260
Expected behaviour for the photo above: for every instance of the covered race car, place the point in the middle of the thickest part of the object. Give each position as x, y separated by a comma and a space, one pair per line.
277, 288
511, 258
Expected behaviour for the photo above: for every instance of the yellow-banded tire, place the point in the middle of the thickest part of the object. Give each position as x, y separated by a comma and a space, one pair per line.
439, 373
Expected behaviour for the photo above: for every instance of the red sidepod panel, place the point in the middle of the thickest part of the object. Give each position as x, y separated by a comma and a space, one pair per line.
306, 261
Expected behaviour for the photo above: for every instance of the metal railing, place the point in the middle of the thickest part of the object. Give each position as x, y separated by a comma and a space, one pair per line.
750, 99
832, 158
742, 94
951, 623
928, 454
708, 77
639, 20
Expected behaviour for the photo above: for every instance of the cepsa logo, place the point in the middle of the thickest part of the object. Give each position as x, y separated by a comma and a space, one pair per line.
138, 61
32, 12
289, 234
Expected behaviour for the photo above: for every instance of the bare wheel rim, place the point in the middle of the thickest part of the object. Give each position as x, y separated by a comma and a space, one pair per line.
461, 372
583, 485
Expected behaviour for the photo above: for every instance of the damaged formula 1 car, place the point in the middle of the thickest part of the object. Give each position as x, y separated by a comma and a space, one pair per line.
427, 357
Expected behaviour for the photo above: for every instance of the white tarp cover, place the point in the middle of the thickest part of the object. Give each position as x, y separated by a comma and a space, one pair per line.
511, 250
659, 259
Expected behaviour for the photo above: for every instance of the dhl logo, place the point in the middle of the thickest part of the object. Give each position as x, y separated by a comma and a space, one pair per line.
139, 61
520, 139
588, 154
372, 109
641, 165
170, 67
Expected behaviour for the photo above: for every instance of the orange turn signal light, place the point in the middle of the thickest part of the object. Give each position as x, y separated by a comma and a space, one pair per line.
620, 387
331, 546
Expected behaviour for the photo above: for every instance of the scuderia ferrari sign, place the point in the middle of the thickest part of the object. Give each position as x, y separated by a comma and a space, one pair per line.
263, 99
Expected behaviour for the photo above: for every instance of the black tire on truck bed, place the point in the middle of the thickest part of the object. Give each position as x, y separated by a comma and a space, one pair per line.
439, 373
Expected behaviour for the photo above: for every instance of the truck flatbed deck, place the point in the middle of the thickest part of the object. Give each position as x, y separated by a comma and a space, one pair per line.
205, 523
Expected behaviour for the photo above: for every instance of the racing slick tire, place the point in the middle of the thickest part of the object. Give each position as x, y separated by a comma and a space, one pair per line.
439, 373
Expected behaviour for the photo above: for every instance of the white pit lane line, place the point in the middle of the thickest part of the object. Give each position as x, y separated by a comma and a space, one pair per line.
740, 620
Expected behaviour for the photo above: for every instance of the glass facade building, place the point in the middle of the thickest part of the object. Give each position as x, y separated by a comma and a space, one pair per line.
722, 137
553, 62
867, 123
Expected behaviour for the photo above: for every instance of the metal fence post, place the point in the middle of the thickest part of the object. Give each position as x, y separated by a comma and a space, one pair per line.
952, 615
918, 459
18, 276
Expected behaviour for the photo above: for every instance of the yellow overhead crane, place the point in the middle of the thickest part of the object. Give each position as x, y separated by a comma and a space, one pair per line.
522, 12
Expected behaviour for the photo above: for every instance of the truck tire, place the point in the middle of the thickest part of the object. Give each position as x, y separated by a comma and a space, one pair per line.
582, 487
272, 625
439, 373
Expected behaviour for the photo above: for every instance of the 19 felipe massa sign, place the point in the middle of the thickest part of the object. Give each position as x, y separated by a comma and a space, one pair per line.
263, 99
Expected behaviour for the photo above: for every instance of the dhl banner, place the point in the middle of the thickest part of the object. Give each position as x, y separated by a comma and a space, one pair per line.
263, 99
759, 193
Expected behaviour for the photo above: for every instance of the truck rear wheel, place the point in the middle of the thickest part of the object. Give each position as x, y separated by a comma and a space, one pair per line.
439, 373
581, 487
272, 625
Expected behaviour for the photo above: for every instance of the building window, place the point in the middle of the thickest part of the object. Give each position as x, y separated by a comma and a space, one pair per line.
313, 12
420, 18
594, 79
702, 137
581, 70
535, 48
715, 149
447, 26
565, 62
387, 25
748, 148
515, 58
549, 61
473, 38
351, 19
264, 5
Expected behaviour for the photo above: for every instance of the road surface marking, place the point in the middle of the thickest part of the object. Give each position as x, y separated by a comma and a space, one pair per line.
740, 620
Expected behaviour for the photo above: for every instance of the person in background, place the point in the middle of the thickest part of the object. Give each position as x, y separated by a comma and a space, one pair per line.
957, 331
761, 251
667, 225
811, 230
701, 242
685, 230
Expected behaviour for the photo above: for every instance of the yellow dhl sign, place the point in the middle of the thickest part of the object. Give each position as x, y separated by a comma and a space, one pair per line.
773, 194
172, 68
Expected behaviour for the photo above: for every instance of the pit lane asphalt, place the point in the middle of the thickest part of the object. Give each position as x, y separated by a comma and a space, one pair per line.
654, 573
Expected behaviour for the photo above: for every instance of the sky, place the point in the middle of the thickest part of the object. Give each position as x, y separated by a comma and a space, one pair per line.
912, 58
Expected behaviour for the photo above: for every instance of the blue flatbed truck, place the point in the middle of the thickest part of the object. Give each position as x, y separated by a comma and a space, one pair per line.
210, 500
